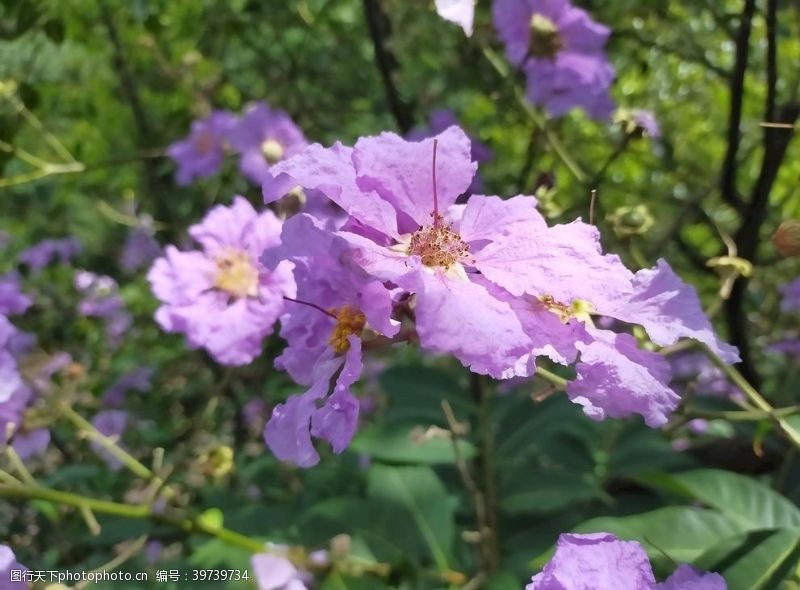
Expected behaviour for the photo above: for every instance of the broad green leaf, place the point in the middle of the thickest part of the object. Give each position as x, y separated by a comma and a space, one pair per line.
759, 560
415, 495
541, 491
682, 532
416, 393
397, 443
339, 581
747, 501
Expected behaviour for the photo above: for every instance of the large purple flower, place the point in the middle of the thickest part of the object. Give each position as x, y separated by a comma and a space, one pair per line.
12, 573
561, 50
201, 153
601, 561
222, 297
264, 136
490, 282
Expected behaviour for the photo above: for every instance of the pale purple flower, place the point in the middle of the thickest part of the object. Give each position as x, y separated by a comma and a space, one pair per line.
492, 283
46, 252
275, 572
139, 250
138, 380
688, 578
646, 121
101, 299
562, 52
12, 299
221, 297
201, 153
692, 370
264, 136
791, 296
601, 561
111, 424
9, 564
460, 12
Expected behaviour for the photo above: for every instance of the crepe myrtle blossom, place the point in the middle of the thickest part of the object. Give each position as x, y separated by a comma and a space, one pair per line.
48, 251
460, 12
12, 573
562, 52
201, 153
275, 572
601, 561
264, 136
221, 297
490, 282
337, 305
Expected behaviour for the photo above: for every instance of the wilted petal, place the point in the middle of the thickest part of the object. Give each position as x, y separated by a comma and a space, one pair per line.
461, 12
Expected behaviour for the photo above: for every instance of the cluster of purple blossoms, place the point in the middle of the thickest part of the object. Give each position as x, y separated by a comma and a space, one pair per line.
561, 50
16, 393
48, 251
601, 561
100, 298
488, 282
9, 564
221, 297
262, 137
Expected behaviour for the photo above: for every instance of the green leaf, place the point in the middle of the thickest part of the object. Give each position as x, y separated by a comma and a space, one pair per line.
760, 560
338, 581
397, 443
682, 532
747, 501
416, 393
540, 491
415, 495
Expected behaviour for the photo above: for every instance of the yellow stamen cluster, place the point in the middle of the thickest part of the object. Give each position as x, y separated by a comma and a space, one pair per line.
349, 321
438, 245
272, 150
578, 309
546, 39
236, 273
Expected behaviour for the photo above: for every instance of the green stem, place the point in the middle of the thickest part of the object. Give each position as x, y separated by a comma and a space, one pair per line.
537, 118
482, 397
743, 415
755, 397
554, 379
192, 525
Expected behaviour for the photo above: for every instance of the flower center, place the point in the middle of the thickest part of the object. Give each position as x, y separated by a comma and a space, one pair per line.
204, 142
236, 273
546, 39
272, 150
578, 309
349, 321
438, 245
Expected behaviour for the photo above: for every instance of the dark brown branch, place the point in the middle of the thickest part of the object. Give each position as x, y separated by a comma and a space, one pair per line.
380, 29
728, 185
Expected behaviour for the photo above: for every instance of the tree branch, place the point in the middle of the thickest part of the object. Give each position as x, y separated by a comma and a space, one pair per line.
380, 28
728, 183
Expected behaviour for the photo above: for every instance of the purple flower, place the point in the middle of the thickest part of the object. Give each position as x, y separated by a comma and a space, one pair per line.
647, 122
274, 572
135, 380
460, 12
601, 561
111, 424
12, 299
221, 297
561, 50
264, 136
488, 282
139, 250
791, 296
45, 252
201, 153
9, 564
692, 370
688, 578
101, 299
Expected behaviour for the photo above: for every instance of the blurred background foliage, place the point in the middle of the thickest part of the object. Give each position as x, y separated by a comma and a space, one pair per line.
117, 81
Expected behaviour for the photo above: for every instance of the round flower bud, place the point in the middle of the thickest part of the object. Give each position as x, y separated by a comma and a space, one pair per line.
630, 221
787, 238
